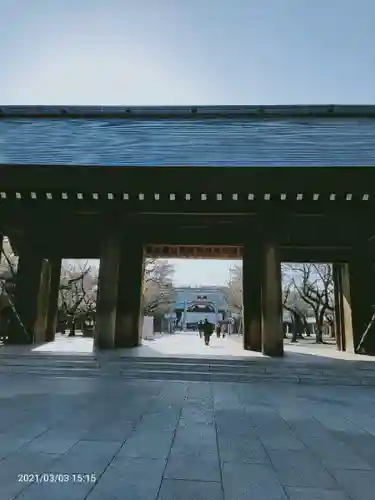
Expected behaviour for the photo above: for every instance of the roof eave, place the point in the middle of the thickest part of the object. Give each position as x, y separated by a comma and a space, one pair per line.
189, 112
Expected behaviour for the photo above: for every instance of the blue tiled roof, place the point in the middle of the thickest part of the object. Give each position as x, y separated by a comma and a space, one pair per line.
216, 136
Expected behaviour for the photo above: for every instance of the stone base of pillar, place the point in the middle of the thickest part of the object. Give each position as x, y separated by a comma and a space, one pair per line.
250, 343
275, 351
102, 344
127, 342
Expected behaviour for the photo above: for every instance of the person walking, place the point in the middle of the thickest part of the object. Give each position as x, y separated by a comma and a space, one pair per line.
218, 330
224, 331
208, 331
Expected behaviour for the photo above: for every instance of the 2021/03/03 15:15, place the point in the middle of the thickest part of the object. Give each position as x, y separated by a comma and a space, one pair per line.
56, 478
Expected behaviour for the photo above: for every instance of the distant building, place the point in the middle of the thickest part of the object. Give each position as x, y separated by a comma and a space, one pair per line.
194, 304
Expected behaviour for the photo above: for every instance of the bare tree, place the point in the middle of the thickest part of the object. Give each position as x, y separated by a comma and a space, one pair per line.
8, 277
77, 293
331, 321
233, 293
314, 284
8, 262
158, 290
234, 289
292, 302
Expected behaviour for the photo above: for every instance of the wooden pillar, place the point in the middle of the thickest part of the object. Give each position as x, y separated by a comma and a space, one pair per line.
1, 246
105, 320
272, 325
361, 282
55, 265
252, 296
344, 307
339, 325
31, 298
129, 317
354, 297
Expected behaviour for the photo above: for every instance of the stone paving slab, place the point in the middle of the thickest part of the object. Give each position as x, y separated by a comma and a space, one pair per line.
169, 440
315, 494
190, 490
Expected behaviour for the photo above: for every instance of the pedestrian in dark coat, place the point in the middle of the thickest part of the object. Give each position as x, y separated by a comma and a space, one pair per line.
208, 331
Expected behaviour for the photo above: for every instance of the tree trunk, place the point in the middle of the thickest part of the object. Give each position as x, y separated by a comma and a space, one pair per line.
305, 327
298, 325
295, 333
308, 328
319, 328
319, 314
294, 327
319, 334
287, 328
72, 332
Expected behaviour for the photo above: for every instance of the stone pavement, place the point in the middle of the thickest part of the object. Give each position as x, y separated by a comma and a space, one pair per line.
108, 439
188, 344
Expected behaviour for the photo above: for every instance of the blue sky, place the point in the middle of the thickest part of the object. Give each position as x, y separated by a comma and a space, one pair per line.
187, 52
143, 52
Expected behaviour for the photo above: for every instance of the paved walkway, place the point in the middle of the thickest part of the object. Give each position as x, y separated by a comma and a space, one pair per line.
100, 439
188, 344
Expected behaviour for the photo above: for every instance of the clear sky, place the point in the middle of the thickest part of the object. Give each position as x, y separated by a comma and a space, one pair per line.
193, 272
187, 52
144, 52
196, 272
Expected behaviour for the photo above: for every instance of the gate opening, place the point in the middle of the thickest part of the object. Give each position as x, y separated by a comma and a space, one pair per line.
188, 286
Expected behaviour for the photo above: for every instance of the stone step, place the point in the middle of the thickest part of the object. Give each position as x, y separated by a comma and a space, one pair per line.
246, 377
188, 375
222, 366
4, 354
259, 364
267, 363
245, 369
50, 363
174, 368
51, 371
191, 360
248, 368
